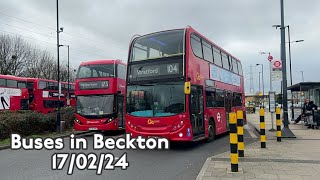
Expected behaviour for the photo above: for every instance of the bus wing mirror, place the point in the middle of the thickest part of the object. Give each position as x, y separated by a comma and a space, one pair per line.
187, 87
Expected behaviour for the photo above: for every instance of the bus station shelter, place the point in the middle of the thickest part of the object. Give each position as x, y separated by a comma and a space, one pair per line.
303, 90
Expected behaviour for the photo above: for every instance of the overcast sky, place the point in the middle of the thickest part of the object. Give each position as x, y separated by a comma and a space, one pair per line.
102, 29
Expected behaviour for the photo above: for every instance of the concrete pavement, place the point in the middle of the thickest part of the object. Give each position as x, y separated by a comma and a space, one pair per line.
297, 158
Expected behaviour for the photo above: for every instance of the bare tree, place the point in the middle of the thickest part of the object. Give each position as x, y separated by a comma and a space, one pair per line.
14, 52
18, 58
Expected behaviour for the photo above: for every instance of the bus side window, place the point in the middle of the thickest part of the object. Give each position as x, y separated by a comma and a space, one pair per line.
235, 66
2, 82
42, 85
240, 68
196, 46
211, 99
121, 71
217, 57
239, 99
220, 98
236, 99
225, 61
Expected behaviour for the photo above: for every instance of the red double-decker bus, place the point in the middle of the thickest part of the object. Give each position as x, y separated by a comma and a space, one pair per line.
181, 86
44, 96
69, 93
100, 89
13, 93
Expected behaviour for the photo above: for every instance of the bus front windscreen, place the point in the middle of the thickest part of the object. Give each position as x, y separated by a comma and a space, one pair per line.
96, 71
156, 100
95, 105
157, 45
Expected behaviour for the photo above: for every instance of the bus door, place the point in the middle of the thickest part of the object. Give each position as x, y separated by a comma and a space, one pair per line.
120, 103
228, 101
196, 111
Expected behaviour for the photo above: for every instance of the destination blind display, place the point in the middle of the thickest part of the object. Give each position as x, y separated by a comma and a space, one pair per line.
163, 70
94, 85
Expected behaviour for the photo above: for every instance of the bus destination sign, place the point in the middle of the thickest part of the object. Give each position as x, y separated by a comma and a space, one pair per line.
93, 85
155, 71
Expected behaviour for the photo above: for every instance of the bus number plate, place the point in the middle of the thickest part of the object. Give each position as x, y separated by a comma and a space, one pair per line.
93, 128
154, 137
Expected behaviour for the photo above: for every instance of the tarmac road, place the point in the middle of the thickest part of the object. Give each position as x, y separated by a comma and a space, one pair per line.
182, 161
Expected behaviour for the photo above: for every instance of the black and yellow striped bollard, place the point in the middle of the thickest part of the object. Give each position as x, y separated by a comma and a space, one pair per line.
262, 129
233, 142
240, 133
278, 122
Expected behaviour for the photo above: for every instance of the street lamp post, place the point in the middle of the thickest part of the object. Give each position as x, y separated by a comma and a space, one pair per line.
290, 67
59, 30
286, 132
262, 85
68, 96
259, 82
302, 76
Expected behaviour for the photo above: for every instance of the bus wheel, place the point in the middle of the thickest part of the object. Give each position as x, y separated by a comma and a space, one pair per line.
212, 131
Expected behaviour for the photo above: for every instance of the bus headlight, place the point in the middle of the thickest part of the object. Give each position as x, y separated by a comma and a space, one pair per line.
76, 120
177, 125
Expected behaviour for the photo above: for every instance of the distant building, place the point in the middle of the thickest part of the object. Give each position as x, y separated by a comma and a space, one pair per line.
256, 98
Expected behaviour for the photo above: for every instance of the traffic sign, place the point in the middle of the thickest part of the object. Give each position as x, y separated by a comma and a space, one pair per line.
276, 75
277, 64
272, 101
270, 58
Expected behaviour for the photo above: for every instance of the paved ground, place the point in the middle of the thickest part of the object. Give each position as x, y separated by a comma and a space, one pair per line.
180, 162
297, 158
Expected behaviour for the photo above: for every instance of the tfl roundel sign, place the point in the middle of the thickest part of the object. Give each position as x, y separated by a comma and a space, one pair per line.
270, 58
277, 64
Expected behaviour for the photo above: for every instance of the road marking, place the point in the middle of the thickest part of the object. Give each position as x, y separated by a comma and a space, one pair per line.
250, 132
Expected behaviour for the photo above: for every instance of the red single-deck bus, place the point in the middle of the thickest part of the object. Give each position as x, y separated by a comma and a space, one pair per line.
100, 88
43, 95
181, 86
13, 93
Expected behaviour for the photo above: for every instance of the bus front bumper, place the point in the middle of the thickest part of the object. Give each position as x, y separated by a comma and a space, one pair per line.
180, 135
82, 124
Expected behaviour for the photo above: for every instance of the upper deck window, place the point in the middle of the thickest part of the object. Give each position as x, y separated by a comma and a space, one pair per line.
42, 85
121, 71
196, 45
207, 51
240, 68
217, 57
234, 66
225, 61
157, 45
22, 84
12, 83
96, 71
2, 82
30, 85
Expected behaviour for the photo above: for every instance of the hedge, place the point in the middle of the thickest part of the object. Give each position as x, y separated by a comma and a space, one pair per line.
29, 122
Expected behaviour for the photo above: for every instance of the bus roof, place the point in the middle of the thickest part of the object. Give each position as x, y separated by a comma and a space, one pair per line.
111, 61
226, 52
11, 77
190, 28
40, 79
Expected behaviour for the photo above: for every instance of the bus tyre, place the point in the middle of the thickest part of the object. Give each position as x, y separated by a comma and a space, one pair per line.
211, 130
